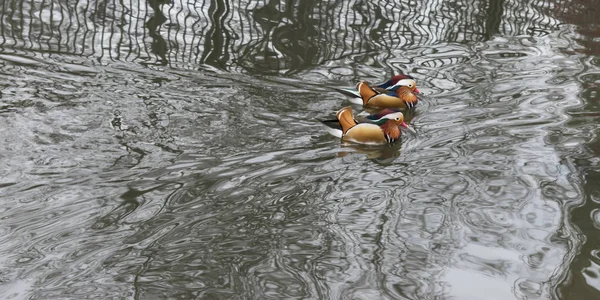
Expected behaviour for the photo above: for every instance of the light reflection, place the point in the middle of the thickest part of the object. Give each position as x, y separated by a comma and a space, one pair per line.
470, 205
268, 37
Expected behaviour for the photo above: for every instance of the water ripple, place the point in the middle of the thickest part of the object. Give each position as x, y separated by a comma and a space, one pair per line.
174, 149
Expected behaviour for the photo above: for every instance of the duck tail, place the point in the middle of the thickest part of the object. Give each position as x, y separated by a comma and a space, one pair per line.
333, 127
345, 118
365, 91
349, 92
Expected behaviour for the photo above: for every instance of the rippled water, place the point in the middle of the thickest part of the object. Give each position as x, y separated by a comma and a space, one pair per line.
155, 150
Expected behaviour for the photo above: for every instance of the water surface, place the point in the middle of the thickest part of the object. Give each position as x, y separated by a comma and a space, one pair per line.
158, 150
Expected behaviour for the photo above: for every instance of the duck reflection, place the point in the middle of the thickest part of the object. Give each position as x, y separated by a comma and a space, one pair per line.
383, 154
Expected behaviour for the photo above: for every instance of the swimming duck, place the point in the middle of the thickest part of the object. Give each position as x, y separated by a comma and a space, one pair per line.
398, 92
397, 96
380, 128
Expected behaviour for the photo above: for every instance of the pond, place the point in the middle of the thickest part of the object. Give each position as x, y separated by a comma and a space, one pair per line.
173, 150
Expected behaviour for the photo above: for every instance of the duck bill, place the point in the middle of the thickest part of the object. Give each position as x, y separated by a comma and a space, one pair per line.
410, 129
416, 91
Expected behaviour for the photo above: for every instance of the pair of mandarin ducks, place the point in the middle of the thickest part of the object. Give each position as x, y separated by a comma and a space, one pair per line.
394, 95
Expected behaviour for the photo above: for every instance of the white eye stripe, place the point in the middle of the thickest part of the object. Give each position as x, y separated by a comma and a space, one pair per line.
393, 115
403, 82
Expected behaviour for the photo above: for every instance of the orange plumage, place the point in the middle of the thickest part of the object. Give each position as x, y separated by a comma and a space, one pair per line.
403, 97
378, 129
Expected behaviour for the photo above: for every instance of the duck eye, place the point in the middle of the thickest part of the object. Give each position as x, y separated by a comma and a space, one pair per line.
397, 119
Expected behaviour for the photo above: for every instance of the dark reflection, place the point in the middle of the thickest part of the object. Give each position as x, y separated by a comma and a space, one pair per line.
493, 19
158, 45
382, 154
582, 280
131, 200
268, 37
290, 40
586, 16
218, 38
258, 55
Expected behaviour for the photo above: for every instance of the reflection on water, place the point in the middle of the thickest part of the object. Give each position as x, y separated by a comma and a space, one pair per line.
581, 281
263, 37
172, 149
383, 154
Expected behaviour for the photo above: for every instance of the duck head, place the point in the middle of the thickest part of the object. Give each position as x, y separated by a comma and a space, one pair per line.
401, 80
405, 92
392, 115
411, 84
390, 118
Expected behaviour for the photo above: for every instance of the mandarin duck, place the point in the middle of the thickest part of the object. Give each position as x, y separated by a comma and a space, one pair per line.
380, 128
397, 96
398, 92
396, 80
